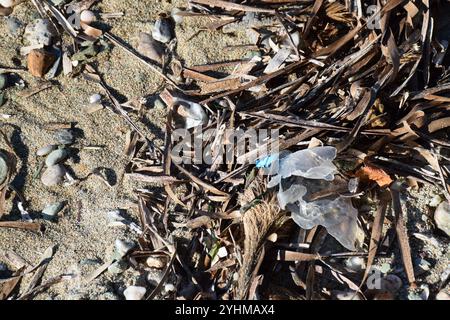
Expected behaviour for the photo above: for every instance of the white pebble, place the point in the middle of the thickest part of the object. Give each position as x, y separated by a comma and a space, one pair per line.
435, 201
122, 248
7, 3
169, 287
134, 293
87, 16
355, 263
443, 295
95, 98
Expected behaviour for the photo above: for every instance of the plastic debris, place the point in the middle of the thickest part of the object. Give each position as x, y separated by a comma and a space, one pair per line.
304, 179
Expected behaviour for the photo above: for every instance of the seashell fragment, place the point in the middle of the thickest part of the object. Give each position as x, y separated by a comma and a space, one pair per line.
150, 48
64, 136
87, 16
91, 31
121, 248
56, 156
53, 175
45, 150
7, 3
39, 62
134, 293
193, 113
443, 295
95, 98
156, 262
162, 31
355, 264
50, 211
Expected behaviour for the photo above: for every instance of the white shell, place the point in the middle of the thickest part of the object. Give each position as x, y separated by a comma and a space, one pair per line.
53, 175
122, 247
162, 31
150, 48
7, 3
355, 263
156, 262
443, 295
87, 16
134, 293
169, 287
95, 98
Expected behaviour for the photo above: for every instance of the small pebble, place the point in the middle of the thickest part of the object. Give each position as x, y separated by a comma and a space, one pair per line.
87, 16
7, 3
443, 295
95, 98
162, 31
114, 216
56, 156
64, 136
442, 217
121, 248
435, 201
50, 212
156, 262
118, 267
53, 175
3, 81
169, 287
150, 48
222, 253
355, 264
46, 150
3, 168
134, 293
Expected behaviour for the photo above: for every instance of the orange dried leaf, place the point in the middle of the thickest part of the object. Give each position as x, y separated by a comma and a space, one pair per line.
372, 173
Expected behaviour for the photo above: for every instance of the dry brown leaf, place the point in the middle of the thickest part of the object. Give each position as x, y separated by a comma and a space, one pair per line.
372, 173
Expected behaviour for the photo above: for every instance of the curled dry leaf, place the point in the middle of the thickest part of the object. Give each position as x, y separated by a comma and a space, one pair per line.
372, 173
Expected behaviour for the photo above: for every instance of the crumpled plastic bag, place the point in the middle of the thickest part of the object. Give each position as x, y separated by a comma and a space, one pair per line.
304, 179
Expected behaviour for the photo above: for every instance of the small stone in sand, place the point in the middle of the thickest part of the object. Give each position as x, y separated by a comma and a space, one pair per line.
134, 293
53, 175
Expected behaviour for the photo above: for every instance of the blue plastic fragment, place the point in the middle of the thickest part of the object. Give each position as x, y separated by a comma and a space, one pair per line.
265, 162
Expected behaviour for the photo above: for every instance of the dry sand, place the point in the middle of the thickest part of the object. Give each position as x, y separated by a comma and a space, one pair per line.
84, 244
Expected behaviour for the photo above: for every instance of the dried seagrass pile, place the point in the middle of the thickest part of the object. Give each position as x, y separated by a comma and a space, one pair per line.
353, 99
369, 81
